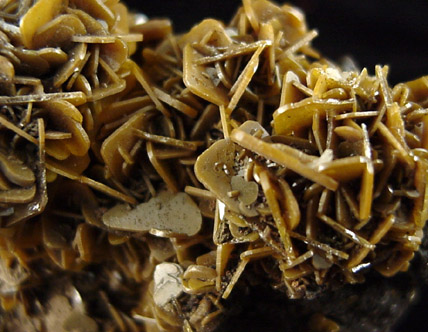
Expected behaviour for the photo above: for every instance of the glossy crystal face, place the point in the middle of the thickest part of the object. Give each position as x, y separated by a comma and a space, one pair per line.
147, 178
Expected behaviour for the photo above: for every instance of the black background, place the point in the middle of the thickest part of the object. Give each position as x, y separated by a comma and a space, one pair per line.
392, 32
386, 32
